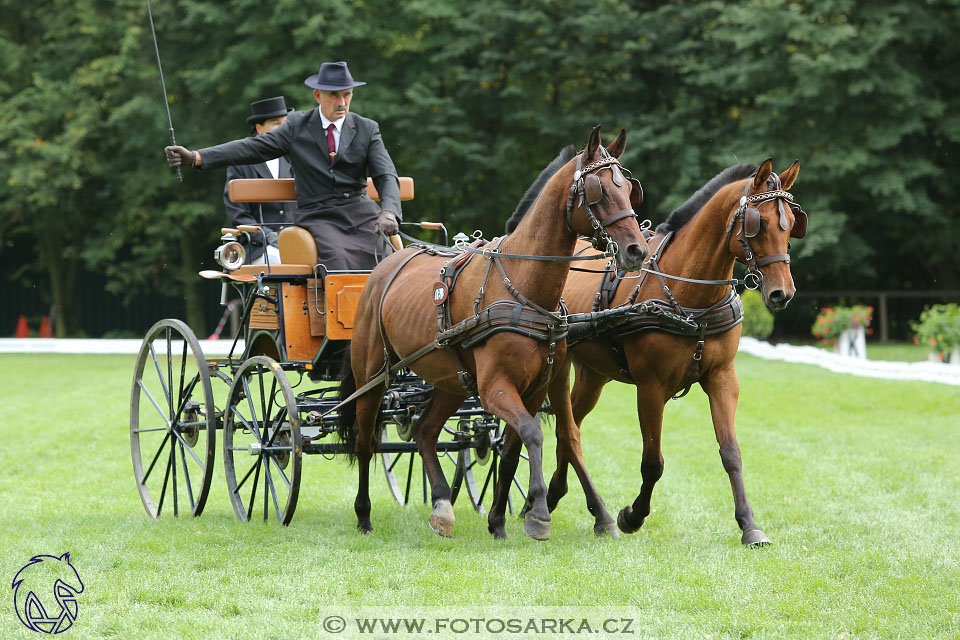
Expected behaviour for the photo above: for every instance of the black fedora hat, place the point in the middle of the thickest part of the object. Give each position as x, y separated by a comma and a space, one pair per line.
333, 76
266, 109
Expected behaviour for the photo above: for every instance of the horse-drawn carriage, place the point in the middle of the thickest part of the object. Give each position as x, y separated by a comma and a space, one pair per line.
452, 358
296, 321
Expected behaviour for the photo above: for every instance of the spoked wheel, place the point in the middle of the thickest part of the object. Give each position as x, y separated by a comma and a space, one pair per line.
262, 445
400, 468
172, 421
478, 469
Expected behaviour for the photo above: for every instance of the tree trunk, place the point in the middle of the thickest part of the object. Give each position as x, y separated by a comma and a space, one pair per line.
192, 291
63, 282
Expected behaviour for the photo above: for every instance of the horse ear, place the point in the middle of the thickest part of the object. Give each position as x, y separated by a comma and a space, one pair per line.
617, 146
788, 177
766, 168
594, 143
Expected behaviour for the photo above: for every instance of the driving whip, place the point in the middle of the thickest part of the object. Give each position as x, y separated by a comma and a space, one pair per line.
173, 139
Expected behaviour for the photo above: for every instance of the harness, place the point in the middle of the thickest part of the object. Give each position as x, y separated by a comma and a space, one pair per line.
520, 315
668, 315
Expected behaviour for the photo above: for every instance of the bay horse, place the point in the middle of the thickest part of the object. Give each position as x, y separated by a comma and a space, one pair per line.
499, 335
688, 332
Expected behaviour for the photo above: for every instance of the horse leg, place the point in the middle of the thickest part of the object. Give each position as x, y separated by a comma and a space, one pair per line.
427, 430
723, 390
650, 413
509, 459
368, 408
569, 450
504, 401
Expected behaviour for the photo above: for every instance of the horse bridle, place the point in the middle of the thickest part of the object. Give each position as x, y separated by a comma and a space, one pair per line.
748, 214
586, 184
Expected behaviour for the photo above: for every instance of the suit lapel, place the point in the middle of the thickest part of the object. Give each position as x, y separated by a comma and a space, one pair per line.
347, 134
262, 170
284, 168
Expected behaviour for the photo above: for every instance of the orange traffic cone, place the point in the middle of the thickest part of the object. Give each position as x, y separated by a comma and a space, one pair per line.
46, 331
23, 331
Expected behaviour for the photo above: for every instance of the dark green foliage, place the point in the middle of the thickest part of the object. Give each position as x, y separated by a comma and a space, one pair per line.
473, 100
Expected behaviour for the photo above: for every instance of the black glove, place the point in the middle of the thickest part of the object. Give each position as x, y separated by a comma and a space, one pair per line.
180, 156
273, 238
388, 222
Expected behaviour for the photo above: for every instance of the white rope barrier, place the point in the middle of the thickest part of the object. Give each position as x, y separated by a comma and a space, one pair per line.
920, 371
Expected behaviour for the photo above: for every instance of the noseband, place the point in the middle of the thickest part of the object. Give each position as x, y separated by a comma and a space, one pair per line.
748, 214
587, 185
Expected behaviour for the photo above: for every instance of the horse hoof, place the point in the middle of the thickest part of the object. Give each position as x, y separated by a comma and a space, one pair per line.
364, 527
754, 538
622, 521
441, 520
607, 528
499, 533
536, 528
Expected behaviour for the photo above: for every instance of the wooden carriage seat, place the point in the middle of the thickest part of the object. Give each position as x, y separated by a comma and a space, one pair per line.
284, 189
298, 255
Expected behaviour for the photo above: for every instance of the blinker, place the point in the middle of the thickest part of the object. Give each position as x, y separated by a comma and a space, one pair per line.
636, 193
799, 222
592, 189
751, 222
617, 176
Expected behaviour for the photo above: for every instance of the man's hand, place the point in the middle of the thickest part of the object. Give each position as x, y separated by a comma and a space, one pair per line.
180, 156
388, 223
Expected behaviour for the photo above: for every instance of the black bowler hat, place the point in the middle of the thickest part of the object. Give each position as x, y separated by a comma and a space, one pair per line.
333, 76
265, 109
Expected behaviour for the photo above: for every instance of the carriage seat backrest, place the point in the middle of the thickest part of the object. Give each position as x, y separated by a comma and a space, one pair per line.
297, 246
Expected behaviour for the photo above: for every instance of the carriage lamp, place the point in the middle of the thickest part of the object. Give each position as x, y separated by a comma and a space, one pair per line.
230, 255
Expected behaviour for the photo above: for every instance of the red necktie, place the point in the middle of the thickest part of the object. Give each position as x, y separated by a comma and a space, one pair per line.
331, 143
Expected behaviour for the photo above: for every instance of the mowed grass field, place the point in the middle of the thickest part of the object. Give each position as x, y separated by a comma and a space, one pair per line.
855, 480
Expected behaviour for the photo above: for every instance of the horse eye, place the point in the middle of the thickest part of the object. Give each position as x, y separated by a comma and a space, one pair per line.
788, 245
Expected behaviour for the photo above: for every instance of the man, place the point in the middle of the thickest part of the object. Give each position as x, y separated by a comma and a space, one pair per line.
266, 115
332, 150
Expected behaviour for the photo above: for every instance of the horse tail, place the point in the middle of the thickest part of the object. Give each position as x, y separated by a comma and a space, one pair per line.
347, 422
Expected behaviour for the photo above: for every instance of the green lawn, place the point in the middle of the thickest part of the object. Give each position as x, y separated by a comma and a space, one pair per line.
855, 480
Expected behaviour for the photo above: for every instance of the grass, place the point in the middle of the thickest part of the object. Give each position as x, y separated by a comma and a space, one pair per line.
855, 480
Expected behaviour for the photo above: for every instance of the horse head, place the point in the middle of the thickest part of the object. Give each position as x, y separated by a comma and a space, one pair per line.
760, 230
603, 199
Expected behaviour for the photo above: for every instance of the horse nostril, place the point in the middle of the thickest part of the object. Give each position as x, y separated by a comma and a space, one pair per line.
637, 251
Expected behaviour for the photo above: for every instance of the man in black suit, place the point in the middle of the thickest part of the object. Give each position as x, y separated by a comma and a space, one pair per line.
266, 115
332, 150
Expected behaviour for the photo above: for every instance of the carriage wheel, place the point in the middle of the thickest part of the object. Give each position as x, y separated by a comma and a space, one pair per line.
172, 421
262, 446
400, 468
478, 470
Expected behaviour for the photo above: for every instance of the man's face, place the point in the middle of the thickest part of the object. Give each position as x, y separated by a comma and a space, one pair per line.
270, 125
333, 104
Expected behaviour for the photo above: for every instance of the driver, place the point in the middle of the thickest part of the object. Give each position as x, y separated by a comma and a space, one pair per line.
332, 151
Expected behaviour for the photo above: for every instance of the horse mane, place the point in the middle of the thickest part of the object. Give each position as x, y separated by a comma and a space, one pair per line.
685, 212
534, 190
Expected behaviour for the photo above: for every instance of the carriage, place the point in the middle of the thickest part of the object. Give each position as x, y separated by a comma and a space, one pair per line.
470, 392
272, 398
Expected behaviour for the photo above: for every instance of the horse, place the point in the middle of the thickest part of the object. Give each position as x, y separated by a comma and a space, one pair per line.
663, 337
499, 335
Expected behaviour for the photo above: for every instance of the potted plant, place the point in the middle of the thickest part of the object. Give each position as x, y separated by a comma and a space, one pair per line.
845, 328
939, 327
